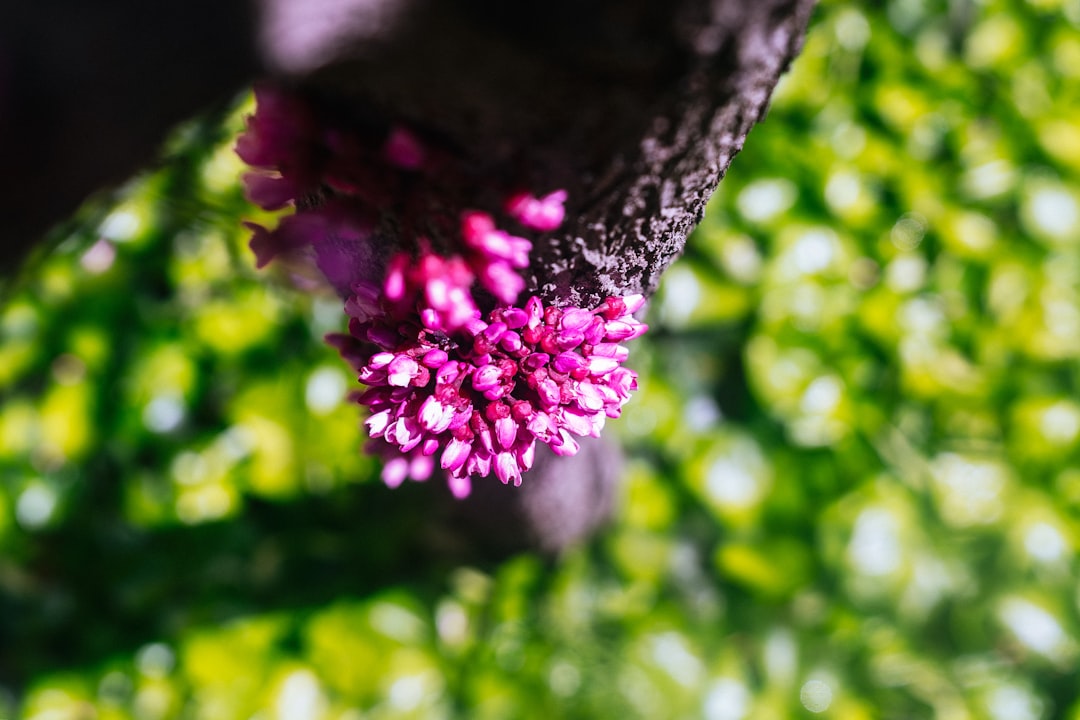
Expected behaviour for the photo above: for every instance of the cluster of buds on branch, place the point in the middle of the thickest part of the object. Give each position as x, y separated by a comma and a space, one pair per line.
451, 377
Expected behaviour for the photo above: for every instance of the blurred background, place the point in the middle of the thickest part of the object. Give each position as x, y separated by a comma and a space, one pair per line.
852, 487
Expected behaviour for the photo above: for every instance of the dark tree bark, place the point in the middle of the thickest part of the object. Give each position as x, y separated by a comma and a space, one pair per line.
636, 107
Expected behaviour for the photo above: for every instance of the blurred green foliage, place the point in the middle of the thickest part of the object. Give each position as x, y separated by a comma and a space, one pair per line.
853, 488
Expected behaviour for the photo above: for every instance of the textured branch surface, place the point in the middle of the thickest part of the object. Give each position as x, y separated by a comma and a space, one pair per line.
635, 107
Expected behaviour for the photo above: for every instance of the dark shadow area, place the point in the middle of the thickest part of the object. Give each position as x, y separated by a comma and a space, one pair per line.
96, 587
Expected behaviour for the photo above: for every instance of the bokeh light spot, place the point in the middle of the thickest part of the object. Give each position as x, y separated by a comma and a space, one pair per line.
816, 696
35, 505
727, 699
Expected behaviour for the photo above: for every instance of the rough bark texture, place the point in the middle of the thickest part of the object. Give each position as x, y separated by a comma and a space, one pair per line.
635, 107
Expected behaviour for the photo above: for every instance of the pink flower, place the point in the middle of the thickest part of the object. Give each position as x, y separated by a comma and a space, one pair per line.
492, 244
280, 134
500, 280
494, 391
404, 150
437, 286
270, 191
543, 214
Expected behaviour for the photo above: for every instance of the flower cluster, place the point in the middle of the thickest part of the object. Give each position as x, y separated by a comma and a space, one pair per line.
440, 287
445, 381
483, 398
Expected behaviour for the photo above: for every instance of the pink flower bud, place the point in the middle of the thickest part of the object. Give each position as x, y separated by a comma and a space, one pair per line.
576, 319
566, 446
493, 244
506, 431
601, 365
483, 432
474, 225
486, 378
542, 426
395, 471
494, 331
448, 373
521, 410
460, 419
535, 360
437, 292
580, 422
595, 332
378, 423
401, 371
566, 361
633, 303
526, 454
589, 397
506, 468
460, 486
479, 463
381, 360
421, 467
502, 282
371, 376
510, 342
613, 308
549, 393
455, 455
405, 433
475, 326
534, 308
568, 339
543, 214
619, 330
519, 251
403, 149
515, 318
394, 285
611, 350
435, 358
431, 413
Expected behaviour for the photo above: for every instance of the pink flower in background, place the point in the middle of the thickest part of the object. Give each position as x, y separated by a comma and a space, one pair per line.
404, 150
495, 256
280, 134
440, 286
543, 214
446, 382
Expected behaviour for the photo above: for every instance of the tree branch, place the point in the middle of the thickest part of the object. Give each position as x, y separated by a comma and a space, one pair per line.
635, 107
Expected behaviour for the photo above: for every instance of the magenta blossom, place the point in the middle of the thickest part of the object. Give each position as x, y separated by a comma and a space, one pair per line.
495, 256
438, 285
481, 399
543, 214
404, 150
